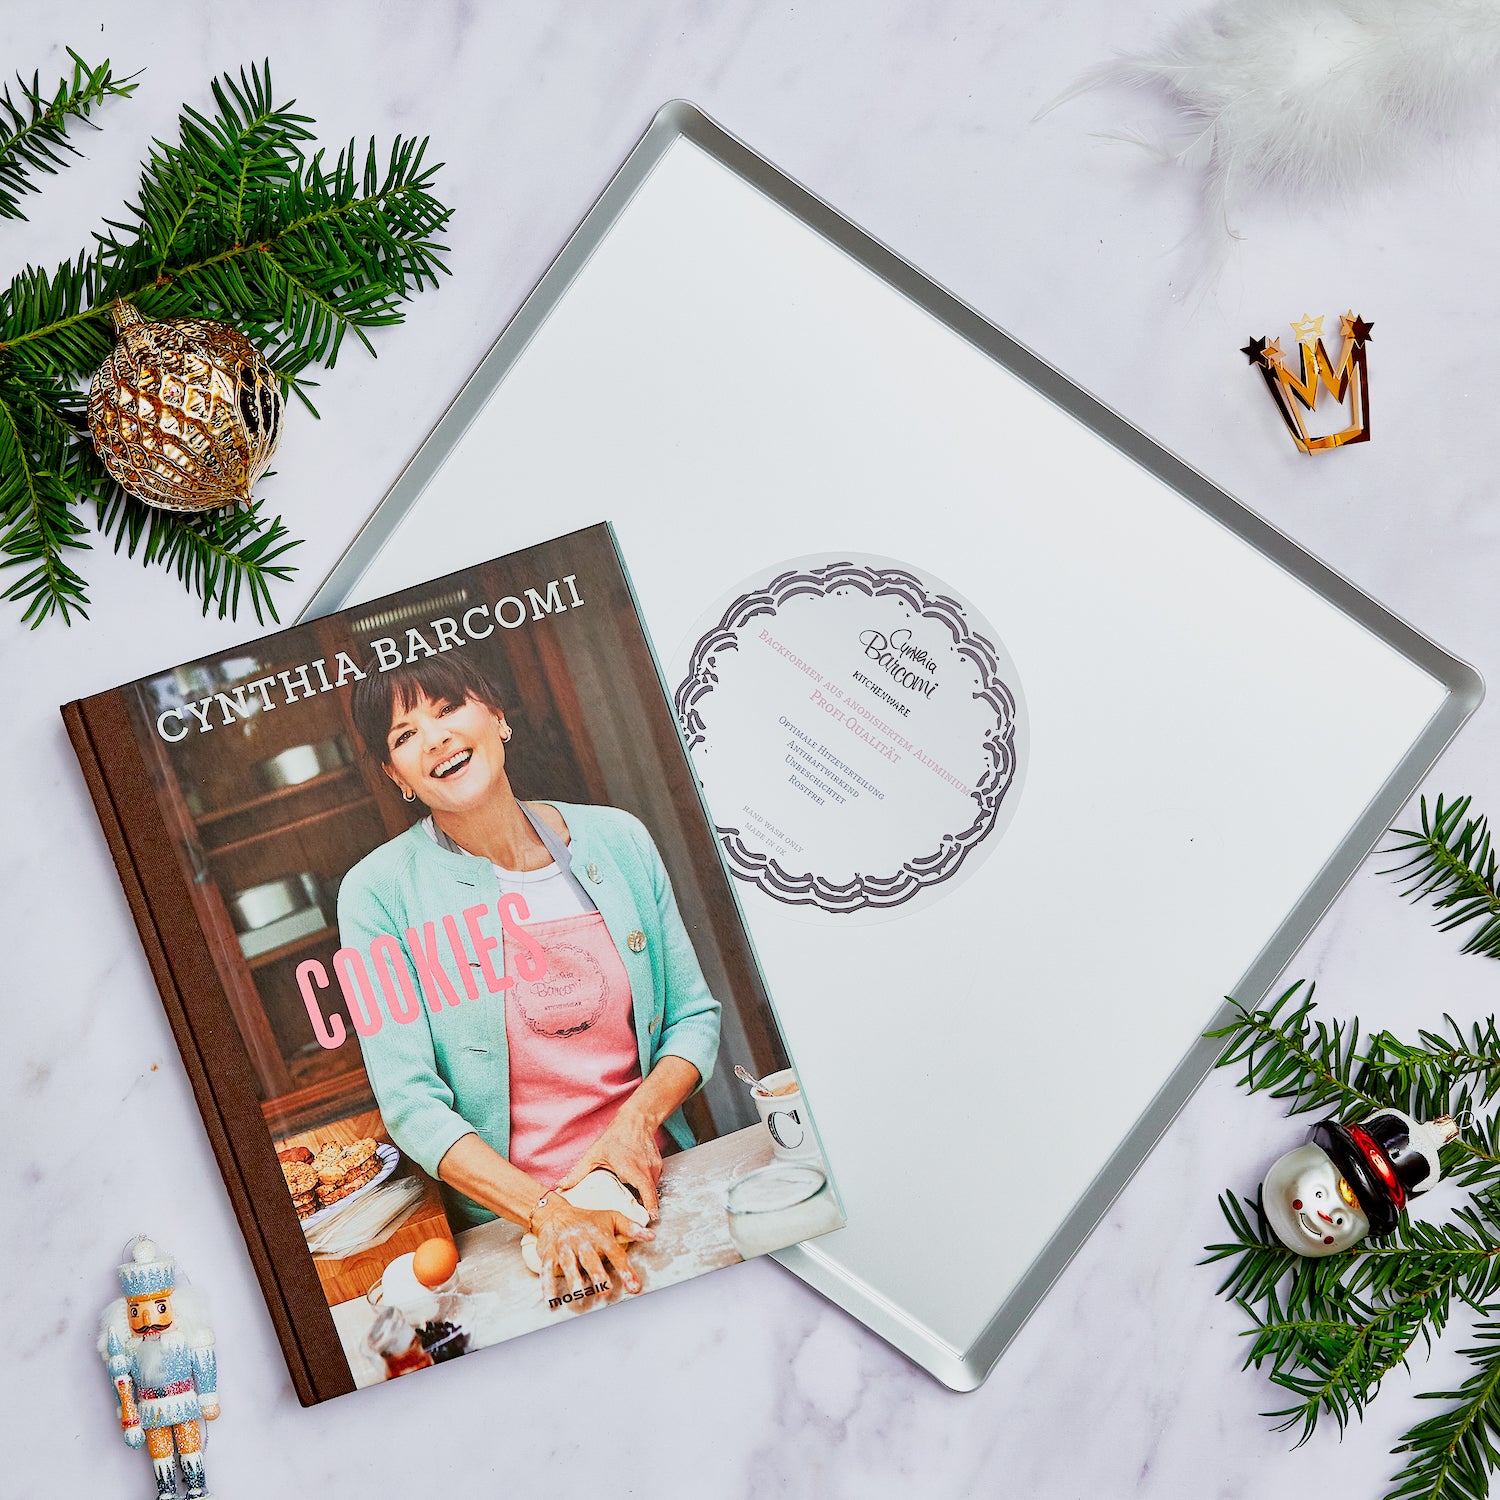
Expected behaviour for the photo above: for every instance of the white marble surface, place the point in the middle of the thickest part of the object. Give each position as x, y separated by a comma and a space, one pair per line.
917, 122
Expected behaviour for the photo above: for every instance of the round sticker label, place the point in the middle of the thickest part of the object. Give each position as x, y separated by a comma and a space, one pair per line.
859, 732
568, 998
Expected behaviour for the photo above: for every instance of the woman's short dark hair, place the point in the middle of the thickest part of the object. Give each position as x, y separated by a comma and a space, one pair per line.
378, 697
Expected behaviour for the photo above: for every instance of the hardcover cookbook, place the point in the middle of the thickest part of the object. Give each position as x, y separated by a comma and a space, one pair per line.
451, 956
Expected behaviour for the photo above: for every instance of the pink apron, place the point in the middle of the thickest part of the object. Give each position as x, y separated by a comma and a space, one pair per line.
573, 1054
571, 1033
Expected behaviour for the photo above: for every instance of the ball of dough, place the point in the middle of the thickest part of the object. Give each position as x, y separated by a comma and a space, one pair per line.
601, 1189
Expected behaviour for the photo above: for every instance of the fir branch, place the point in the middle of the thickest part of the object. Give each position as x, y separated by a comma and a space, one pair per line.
1313, 1064
1331, 1329
1451, 861
1443, 1058
217, 555
1377, 1306
235, 222
194, 194
1454, 1453
34, 132
1448, 1072
1328, 1330
359, 256
1469, 1162
37, 523
1261, 1261
1319, 1065
1345, 1357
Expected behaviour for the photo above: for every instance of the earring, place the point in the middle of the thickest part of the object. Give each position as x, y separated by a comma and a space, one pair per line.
408, 795
505, 738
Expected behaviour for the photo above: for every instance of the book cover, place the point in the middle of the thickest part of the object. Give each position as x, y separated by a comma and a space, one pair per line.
449, 951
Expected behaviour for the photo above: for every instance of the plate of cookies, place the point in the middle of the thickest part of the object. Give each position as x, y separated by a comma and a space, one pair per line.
323, 1180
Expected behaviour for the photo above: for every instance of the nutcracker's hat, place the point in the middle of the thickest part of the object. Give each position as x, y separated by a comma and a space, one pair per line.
1386, 1160
148, 1271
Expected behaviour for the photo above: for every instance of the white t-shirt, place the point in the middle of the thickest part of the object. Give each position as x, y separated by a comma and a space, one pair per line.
548, 892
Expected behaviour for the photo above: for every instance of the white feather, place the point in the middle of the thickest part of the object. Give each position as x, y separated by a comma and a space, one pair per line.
1316, 97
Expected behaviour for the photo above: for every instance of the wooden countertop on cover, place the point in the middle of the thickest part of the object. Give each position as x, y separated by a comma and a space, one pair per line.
349, 1277
692, 1236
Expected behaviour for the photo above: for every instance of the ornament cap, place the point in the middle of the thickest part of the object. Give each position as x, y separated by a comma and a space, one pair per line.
125, 316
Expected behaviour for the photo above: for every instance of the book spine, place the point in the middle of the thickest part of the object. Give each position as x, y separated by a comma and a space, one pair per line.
143, 900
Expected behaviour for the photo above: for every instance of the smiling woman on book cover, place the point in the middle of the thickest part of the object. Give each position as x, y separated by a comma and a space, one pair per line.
584, 1021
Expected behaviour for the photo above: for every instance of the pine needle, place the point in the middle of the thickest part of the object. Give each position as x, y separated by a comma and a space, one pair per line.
1312, 1064
34, 127
233, 221
1328, 1331
1451, 862
1454, 1453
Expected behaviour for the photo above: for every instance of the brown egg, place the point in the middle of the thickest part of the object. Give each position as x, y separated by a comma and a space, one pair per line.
434, 1262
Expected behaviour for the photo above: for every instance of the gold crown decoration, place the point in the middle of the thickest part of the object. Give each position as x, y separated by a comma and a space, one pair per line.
1293, 393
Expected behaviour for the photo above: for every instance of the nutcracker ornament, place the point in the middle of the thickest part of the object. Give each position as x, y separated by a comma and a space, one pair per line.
159, 1349
1352, 1181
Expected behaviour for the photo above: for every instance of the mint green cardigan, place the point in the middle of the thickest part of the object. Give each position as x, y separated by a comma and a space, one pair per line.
447, 1073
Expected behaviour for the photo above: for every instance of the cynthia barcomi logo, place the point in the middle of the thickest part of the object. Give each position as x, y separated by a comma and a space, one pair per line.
907, 664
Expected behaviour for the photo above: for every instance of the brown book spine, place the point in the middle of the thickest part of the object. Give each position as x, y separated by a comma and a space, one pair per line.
119, 783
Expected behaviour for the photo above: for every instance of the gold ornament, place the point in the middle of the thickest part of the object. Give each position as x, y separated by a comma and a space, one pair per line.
1318, 372
185, 413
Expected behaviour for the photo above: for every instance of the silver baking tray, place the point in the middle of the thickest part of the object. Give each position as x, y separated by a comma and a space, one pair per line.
1220, 727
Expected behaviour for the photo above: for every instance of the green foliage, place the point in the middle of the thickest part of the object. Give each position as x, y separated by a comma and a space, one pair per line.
1312, 1064
234, 221
1328, 1331
1454, 1452
34, 130
1450, 861
1319, 1065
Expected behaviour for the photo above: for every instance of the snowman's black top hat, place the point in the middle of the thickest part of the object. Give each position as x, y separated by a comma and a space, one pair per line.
1385, 1159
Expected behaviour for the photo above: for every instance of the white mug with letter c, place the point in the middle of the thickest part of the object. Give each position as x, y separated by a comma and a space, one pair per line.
784, 1115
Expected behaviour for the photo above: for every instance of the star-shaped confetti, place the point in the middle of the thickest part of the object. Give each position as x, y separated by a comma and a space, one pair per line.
1344, 379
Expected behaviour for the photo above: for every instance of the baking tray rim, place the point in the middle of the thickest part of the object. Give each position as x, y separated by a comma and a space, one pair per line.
679, 119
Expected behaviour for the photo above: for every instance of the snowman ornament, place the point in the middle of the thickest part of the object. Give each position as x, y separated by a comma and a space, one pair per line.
1352, 1181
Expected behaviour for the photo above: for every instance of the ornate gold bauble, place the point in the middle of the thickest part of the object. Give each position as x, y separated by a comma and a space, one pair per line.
185, 413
